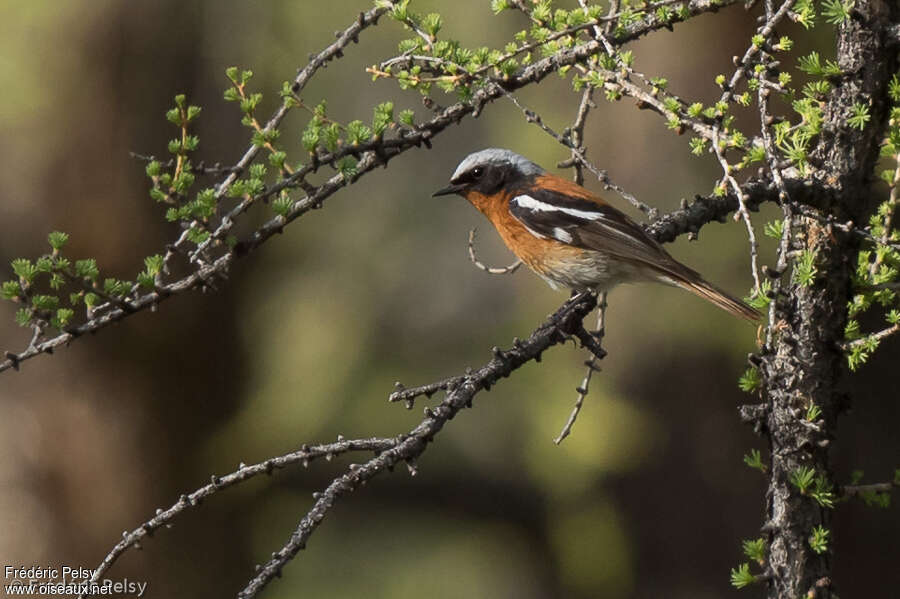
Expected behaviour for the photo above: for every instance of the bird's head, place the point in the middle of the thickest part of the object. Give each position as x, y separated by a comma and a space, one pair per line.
488, 171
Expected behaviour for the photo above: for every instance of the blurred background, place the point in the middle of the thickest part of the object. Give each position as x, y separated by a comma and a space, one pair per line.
648, 497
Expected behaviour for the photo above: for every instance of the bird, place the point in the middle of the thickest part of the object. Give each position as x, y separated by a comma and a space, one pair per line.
569, 236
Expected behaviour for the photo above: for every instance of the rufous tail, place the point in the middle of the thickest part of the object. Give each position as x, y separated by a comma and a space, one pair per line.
711, 293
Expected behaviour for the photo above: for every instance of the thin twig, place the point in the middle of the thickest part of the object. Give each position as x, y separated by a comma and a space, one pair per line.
613, 10
592, 365
856, 490
197, 169
743, 65
742, 212
409, 395
506, 270
784, 200
577, 132
533, 117
882, 334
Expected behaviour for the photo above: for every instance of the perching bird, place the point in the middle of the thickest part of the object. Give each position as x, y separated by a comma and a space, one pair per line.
566, 234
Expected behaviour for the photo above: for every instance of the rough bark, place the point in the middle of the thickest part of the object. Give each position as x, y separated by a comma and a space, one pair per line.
804, 364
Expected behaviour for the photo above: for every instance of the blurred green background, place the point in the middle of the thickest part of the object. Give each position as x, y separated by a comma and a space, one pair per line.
647, 498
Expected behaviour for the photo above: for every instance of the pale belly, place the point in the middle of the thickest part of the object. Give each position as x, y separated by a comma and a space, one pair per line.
588, 270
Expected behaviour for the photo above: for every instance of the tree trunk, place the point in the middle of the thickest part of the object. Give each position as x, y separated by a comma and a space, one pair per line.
803, 364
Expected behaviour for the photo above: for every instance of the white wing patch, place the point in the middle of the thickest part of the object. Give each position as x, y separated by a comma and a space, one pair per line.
562, 235
529, 203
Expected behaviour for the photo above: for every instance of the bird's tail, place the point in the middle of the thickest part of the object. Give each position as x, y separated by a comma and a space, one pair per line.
691, 281
710, 292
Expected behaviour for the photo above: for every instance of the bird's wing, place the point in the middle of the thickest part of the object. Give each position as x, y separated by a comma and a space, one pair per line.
586, 223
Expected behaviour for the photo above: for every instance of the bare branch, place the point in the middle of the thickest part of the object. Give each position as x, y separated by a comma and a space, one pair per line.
164, 518
565, 322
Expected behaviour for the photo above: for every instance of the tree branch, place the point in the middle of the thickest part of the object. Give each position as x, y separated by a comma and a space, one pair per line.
372, 155
461, 391
164, 518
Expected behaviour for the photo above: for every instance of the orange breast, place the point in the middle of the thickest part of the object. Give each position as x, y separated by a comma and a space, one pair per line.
541, 255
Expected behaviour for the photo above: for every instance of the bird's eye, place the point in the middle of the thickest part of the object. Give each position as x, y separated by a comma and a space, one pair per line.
477, 172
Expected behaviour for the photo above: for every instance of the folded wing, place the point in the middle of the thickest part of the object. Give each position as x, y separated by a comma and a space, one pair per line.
563, 212
589, 225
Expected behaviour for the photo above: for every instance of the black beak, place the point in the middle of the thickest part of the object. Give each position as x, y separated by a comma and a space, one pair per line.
450, 189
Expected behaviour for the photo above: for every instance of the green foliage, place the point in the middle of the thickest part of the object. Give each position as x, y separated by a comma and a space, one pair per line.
10, 290
57, 240
197, 235
499, 6
880, 499
23, 317
815, 90
750, 381
894, 89
784, 44
760, 299
813, 412
754, 460
24, 269
310, 138
407, 117
45, 302
823, 492
382, 118
805, 270
331, 135
755, 153
699, 146
358, 133
859, 353
878, 263
812, 65
805, 12
755, 550
347, 167
282, 205
115, 287
802, 478
62, 318
818, 540
153, 266
741, 576
860, 116
837, 11
813, 484
432, 23
87, 269
774, 229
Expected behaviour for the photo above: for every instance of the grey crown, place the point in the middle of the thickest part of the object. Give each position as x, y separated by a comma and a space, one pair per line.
497, 156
